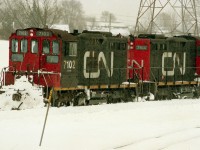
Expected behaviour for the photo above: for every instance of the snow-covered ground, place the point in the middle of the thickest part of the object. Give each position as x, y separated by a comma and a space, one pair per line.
155, 125
160, 125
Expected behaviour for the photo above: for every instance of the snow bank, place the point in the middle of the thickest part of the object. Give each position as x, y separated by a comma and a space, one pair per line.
31, 95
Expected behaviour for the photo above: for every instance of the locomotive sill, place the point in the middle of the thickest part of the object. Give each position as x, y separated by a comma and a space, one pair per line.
177, 83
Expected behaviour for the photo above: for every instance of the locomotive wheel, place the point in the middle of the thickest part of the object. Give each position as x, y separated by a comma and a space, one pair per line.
109, 99
195, 95
61, 104
79, 101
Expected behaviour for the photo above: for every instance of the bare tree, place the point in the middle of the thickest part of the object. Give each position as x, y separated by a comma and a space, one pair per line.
41, 13
6, 20
73, 14
29, 13
106, 16
1, 7
92, 21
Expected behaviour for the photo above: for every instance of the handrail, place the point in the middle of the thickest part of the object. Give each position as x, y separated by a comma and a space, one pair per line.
48, 73
42, 72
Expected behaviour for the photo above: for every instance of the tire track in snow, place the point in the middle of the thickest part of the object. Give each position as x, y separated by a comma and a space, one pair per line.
190, 136
164, 140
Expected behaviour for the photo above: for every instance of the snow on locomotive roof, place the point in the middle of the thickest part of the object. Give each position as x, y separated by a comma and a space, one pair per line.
64, 27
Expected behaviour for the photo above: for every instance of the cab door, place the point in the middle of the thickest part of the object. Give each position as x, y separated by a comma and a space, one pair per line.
69, 65
49, 62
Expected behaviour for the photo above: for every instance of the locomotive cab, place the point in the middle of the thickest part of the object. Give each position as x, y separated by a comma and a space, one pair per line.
23, 54
37, 53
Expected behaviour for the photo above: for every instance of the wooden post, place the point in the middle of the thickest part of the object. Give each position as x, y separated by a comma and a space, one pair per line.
45, 121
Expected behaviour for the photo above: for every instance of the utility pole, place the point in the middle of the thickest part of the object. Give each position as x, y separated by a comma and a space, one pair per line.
110, 22
184, 19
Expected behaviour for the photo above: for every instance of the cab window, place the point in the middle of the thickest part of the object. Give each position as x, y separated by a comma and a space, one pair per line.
34, 46
72, 49
24, 45
17, 57
141, 47
55, 47
52, 59
45, 46
14, 45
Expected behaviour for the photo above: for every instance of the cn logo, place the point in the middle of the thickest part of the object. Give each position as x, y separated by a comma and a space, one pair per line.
102, 58
175, 58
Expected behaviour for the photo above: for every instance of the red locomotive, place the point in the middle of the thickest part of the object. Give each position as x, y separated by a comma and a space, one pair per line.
91, 67
172, 63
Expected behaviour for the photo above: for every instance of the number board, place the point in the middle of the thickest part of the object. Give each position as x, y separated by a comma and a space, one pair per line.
141, 47
43, 33
22, 32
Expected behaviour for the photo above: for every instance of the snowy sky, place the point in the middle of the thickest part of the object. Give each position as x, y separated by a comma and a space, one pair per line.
125, 11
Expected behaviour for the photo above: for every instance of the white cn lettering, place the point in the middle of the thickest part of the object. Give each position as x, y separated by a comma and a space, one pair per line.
97, 73
175, 59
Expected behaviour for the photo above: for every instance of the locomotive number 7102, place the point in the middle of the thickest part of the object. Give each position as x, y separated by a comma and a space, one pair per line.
70, 64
